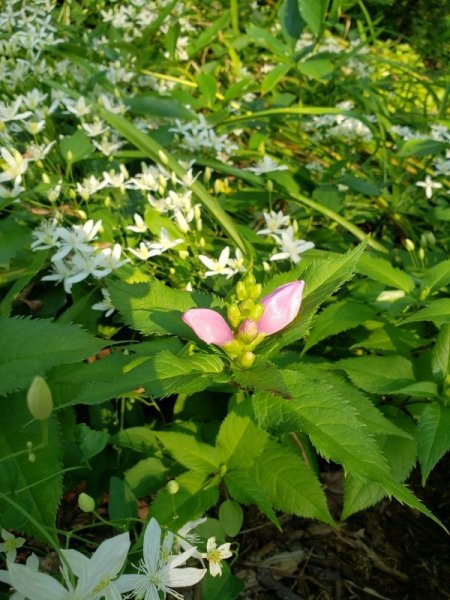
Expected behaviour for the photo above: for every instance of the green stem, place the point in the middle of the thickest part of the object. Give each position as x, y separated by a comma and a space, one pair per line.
234, 8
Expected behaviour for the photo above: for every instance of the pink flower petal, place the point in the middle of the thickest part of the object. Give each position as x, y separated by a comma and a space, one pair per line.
208, 325
281, 307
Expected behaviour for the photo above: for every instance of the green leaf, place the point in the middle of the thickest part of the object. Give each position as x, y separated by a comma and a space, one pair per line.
29, 347
35, 486
291, 21
437, 311
433, 436
190, 502
155, 106
146, 476
420, 147
435, 278
207, 85
14, 237
381, 270
313, 13
369, 414
225, 587
76, 147
239, 441
209, 34
378, 374
322, 279
140, 439
263, 38
336, 318
401, 456
161, 375
154, 308
189, 452
440, 356
91, 441
231, 517
122, 501
274, 76
290, 484
332, 423
316, 68
245, 490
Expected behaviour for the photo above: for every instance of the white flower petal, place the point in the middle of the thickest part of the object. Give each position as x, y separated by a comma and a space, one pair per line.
184, 577
37, 586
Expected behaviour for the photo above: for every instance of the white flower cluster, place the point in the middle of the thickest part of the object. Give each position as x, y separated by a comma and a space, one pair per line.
75, 257
200, 135
224, 265
340, 126
159, 571
279, 228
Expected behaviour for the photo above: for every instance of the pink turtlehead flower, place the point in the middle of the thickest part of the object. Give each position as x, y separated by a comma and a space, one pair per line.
208, 325
280, 307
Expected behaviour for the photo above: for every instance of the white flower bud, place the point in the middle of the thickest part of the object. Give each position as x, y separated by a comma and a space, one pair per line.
39, 399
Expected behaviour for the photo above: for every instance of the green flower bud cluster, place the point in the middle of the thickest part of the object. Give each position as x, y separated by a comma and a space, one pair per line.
245, 306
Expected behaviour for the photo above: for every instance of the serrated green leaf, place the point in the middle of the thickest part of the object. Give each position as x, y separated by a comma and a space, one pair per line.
160, 375
263, 377
437, 311
239, 441
436, 277
29, 347
322, 279
401, 456
433, 436
245, 490
333, 425
336, 318
290, 484
440, 356
375, 420
191, 453
154, 308
190, 502
381, 270
378, 374
35, 486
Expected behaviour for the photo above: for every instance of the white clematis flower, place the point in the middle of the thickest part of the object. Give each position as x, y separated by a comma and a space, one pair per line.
214, 555
95, 575
158, 570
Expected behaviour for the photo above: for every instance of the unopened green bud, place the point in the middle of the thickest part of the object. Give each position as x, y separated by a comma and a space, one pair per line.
427, 239
409, 245
172, 487
270, 186
207, 175
222, 470
250, 333
234, 315
421, 253
39, 399
249, 280
241, 291
257, 312
86, 503
255, 291
246, 306
69, 156
233, 349
245, 360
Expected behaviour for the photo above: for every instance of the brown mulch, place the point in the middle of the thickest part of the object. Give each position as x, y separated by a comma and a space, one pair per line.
388, 552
